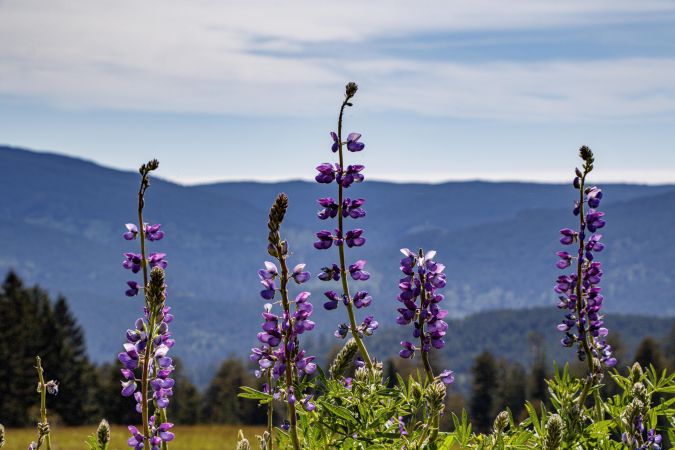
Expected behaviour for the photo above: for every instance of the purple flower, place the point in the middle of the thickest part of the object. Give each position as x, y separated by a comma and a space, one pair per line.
341, 331
594, 220
299, 275
153, 232
352, 208
353, 238
593, 196
307, 404
132, 262
565, 260
568, 236
357, 272
326, 173
131, 233
269, 272
157, 260
408, 349
128, 388
333, 300
401, 427
362, 299
133, 289
330, 208
325, 240
336, 142
447, 376
594, 245
348, 177
369, 325
270, 289
353, 144
328, 273
136, 439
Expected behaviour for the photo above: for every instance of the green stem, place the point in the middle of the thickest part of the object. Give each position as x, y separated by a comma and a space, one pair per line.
341, 250
292, 416
43, 400
270, 413
151, 323
580, 300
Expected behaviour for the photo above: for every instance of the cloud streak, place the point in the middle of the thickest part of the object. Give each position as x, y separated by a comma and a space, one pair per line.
248, 58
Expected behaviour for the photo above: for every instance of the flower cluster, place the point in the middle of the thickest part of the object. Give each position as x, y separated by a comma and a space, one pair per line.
148, 343
270, 356
134, 261
160, 434
281, 361
341, 209
422, 278
579, 292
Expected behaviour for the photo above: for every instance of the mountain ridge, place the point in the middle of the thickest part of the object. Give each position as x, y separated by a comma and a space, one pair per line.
61, 219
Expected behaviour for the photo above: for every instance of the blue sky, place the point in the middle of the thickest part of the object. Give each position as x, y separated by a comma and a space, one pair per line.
221, 90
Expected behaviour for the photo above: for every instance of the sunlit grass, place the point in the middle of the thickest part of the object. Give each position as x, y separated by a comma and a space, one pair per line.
192, 437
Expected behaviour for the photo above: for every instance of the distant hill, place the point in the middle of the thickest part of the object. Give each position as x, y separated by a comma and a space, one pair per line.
61, 221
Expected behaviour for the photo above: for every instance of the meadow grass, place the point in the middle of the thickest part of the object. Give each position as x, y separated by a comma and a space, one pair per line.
188, 437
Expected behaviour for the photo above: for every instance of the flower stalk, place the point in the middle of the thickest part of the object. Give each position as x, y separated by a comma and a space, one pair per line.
43, 389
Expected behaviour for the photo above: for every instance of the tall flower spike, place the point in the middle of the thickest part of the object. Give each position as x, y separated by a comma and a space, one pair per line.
579, 292
422, 278
280, 359
342, 209
148, 343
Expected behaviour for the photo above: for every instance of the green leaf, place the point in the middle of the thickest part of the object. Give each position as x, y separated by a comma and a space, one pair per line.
340, 411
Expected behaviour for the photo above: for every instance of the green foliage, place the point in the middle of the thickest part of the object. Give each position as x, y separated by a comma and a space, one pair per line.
364, 413
33, 325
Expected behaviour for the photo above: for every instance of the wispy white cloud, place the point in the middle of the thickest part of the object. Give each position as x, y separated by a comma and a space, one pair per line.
212, 56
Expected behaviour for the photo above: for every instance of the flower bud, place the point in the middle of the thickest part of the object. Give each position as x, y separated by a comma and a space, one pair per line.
362, 374
636, 372
52, 387
242, 442
554, 433
103, 432
350, 89
343, 359
435, 395
156, 288
501, 422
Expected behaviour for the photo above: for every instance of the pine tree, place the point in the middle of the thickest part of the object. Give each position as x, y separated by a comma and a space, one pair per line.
221, 401
649, 352
28, 330
186, 400
483, 391
78, 381
537, 389
511, 388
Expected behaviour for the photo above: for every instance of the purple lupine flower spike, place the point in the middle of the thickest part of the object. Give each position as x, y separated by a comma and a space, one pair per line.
343, 209
422, 278
579, 292
148, 343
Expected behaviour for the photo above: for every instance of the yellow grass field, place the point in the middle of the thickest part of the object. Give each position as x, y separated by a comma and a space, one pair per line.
188, 437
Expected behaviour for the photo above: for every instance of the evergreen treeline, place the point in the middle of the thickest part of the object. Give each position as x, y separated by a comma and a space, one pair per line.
33, 324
